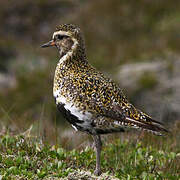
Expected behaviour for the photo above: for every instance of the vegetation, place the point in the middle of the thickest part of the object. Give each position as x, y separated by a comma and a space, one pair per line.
124, 157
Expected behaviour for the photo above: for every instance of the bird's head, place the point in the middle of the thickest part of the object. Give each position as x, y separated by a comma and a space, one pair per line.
67, 38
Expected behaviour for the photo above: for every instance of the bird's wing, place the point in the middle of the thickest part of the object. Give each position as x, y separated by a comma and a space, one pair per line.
133, 118
111, 103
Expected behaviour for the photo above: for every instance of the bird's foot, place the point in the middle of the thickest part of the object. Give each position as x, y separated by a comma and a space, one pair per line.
97, 172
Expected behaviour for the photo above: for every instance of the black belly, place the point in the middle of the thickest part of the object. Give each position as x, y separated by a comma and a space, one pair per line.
72, 119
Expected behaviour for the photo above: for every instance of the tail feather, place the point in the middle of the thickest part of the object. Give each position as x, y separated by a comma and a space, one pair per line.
149, 125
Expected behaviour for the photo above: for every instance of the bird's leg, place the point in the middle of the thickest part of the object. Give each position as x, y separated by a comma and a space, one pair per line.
98, 145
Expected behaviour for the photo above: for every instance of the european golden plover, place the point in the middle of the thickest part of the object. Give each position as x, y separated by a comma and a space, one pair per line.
90, 101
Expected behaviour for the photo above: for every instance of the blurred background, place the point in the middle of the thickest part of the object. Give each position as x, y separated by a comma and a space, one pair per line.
134, 42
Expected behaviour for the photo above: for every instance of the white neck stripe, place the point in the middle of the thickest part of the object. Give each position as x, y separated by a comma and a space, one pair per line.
70, 52
61, 33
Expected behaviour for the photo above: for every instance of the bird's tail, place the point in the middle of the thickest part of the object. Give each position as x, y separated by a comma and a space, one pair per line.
147, 124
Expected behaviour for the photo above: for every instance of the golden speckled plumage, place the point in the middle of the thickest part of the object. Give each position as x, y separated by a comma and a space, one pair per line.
91, 91
91, 102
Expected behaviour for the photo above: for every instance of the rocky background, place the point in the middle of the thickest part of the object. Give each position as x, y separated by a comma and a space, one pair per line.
134, 42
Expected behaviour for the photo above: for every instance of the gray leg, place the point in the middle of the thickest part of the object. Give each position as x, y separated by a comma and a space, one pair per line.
98, 145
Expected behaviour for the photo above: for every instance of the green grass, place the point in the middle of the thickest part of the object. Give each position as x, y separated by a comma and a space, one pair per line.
148, 157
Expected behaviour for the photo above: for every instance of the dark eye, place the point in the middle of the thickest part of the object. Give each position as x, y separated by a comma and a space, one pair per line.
60, 37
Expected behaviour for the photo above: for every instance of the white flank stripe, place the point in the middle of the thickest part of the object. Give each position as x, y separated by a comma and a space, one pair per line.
86, 116
56, 93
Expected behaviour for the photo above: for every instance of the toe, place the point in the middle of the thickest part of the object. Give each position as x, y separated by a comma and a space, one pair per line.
97, 172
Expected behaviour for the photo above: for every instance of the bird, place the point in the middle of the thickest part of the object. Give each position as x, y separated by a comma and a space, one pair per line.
90, 101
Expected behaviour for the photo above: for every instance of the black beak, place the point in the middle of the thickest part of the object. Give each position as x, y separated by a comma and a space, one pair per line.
48, 44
